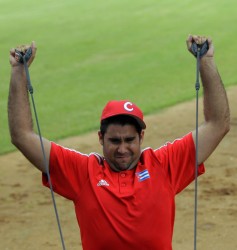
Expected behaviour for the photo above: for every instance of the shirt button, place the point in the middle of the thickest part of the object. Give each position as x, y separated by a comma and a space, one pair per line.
123, 184
123, 175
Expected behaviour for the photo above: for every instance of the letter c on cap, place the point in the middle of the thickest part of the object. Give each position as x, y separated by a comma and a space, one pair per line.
126, 104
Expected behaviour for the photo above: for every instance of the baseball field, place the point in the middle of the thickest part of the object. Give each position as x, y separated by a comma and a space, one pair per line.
90, 52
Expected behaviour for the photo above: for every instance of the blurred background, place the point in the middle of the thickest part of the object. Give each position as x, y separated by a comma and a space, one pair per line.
92, 51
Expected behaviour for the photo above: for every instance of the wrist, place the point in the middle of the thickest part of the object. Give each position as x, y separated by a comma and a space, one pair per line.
18, 72
18, 69
207, 60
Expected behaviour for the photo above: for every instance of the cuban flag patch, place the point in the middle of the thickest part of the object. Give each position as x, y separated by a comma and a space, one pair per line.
143, 175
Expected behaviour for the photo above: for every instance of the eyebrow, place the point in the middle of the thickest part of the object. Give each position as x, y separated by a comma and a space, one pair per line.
119, 139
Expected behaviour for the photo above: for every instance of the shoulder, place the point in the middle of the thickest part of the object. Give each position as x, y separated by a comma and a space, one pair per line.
59, 151
178, 143
184, 143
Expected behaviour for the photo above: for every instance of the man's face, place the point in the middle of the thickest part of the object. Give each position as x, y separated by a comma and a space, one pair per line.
121, 146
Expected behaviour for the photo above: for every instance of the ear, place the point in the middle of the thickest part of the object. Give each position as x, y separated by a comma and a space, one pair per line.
101, 140
142, 136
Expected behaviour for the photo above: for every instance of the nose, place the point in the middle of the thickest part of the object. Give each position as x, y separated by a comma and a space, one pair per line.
122, 148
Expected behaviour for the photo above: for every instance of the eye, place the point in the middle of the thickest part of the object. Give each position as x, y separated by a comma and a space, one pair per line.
129, 139
115, 140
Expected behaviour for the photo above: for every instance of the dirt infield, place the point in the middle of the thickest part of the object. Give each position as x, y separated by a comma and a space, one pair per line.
27, 219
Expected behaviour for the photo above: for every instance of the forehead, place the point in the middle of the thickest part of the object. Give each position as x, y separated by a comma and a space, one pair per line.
118, 130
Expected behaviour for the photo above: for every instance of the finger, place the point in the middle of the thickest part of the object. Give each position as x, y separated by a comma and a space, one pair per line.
12, 51
34, 49
190, 38
195, 39
210, 44
209, 40
13, 57
203, 39
189, 41
22, 48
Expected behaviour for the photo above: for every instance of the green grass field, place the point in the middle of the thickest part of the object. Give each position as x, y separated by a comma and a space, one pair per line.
92, 51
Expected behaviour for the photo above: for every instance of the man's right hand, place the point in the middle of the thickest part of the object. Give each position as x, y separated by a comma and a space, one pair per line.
14, 59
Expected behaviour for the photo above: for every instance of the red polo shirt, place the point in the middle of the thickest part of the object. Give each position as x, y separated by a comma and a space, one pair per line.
126, 210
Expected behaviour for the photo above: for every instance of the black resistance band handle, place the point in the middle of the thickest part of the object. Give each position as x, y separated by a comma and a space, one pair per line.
23, 57
201, 48
21, 54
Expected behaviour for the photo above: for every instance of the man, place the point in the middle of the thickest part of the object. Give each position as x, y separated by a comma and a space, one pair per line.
125, 198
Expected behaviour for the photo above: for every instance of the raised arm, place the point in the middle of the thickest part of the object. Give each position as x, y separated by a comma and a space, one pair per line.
216, 107
19, 115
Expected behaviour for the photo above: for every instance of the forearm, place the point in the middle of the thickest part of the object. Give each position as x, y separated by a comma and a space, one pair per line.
20, 117
19, 113
216, 107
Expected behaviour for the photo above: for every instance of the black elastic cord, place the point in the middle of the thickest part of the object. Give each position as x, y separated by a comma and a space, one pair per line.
197, 87
30, 89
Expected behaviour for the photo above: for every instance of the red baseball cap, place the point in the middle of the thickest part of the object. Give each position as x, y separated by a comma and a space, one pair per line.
123, 107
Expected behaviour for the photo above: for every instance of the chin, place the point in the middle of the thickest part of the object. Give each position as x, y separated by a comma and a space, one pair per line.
126, 167
123, 168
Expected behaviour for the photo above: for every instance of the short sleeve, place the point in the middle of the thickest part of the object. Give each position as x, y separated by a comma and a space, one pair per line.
68, 171
179, 162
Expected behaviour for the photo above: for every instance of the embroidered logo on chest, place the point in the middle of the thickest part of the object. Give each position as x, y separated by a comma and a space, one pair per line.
102, 183
143, 175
